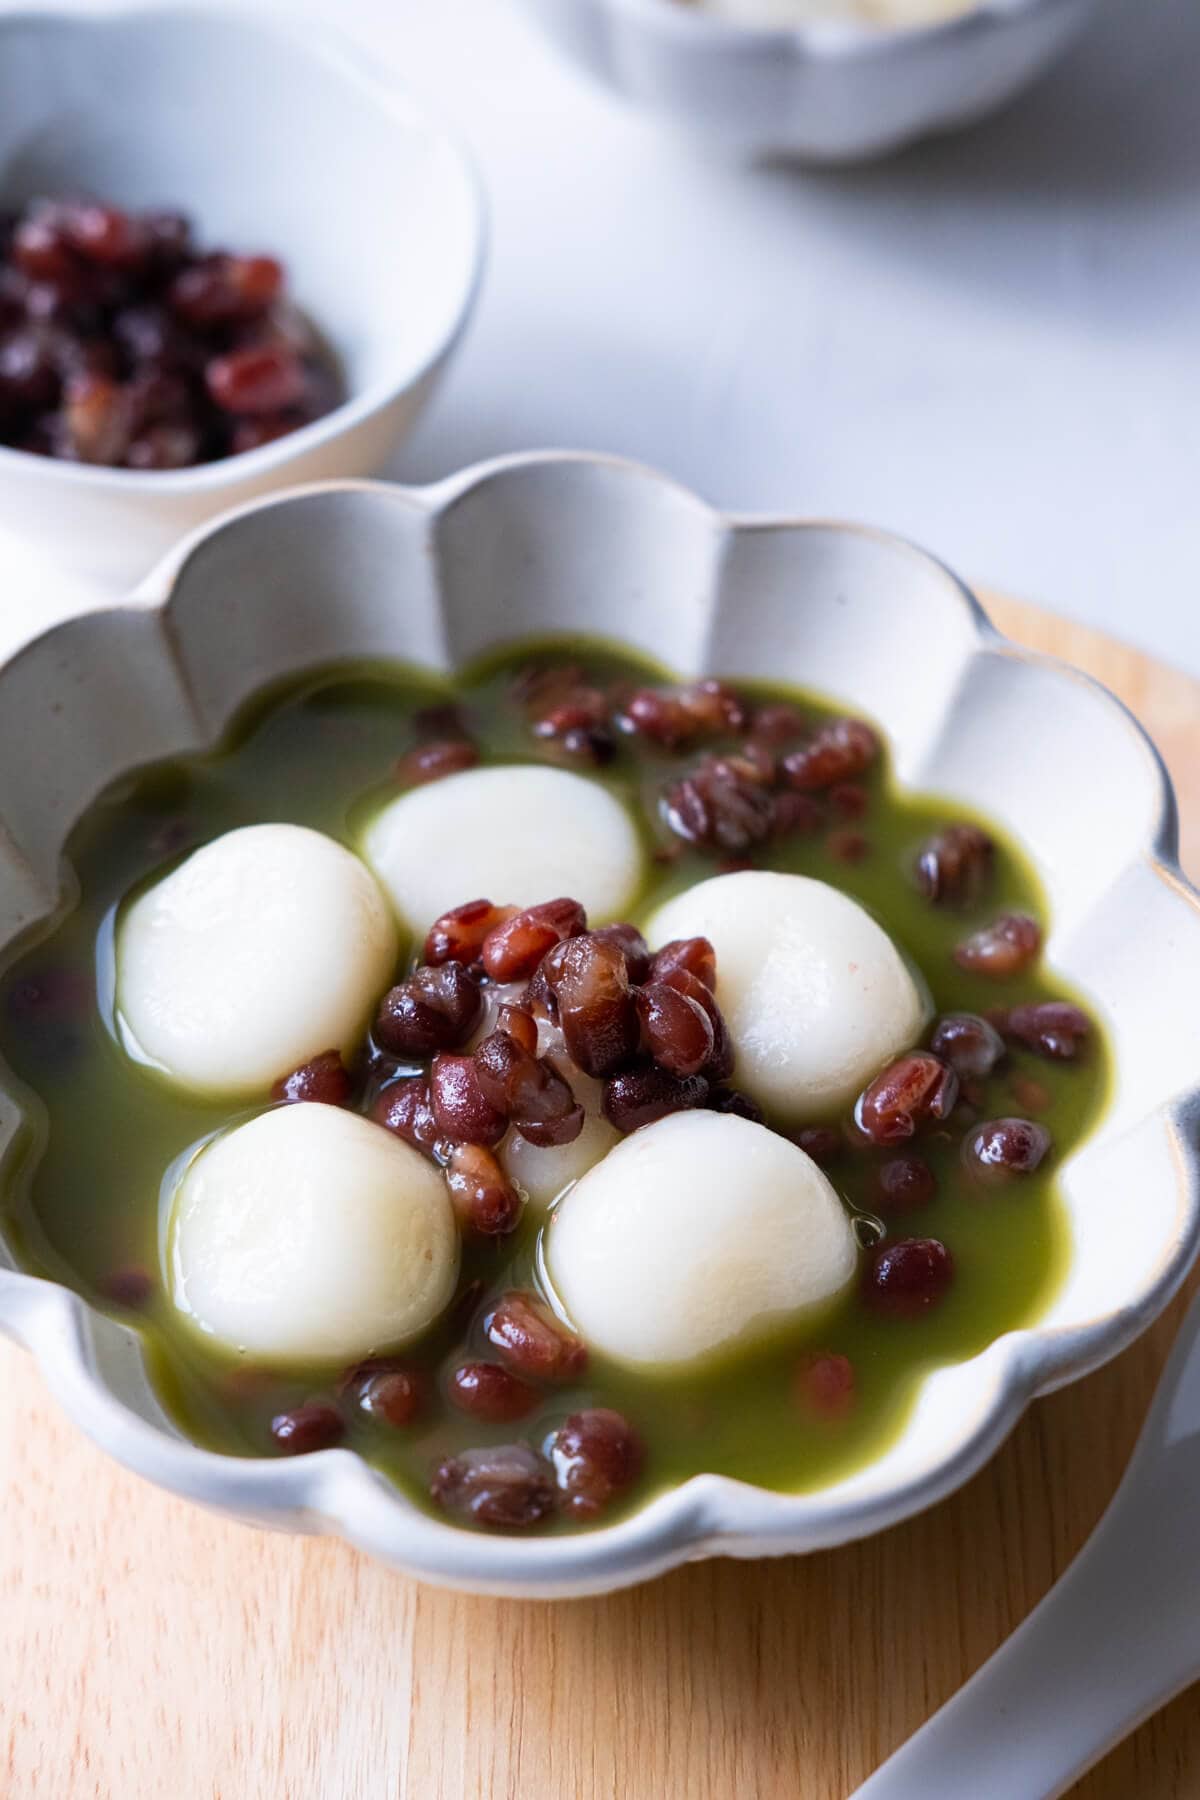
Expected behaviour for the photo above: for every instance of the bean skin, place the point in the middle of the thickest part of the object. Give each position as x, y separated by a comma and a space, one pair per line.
434, 761
404, 1107
825, 1385
971, 1045
902, 1184
641, 1095
485, 1201
590, 981
909, 1277
488, 1391
325, 1079
632, 945
434, 1009
513, 950
596, 1455
676, 1031
916, 1088
696, 955
462, 1111
1053, 1028
384, 1390
1006, 947
954, 868
1003, 1148
312, 1426
458, 936
839, 751
505, 1486
532, 1342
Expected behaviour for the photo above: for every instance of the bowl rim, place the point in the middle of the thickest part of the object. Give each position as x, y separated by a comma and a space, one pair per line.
338, 1492
835, 40
342, 58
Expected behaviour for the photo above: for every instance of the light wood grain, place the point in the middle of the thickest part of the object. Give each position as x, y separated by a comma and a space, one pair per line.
149, 1650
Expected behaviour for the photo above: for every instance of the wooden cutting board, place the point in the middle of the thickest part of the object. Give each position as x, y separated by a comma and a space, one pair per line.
151, 1652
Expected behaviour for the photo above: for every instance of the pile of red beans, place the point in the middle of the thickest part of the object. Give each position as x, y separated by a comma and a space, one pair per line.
122, 344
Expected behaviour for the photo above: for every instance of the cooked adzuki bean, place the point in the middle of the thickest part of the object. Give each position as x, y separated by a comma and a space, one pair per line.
325, 1079
486, 1203
825, 1385
674, 717
405, 1107
1053, 1028
314, 1425
720, 1064
532, 1342
462, 1111
433, 1009
901, 1184
593, 744
838, 751
910, 1091
795, 814
596, 1455
908, 1277
131, 1286
520, 1025
506, 1486
383, 1389
717, 808
633, 946
1004, 1147
849, 799
1030, 1095
733, 1100
1006, 947
778, 723
513, 950
638, 1096
971, 1045
459, 934
822, 1143
528, 1090
695, 954
954, 867
589, 978
488, 1391
676, 1031
576, 708
432, 762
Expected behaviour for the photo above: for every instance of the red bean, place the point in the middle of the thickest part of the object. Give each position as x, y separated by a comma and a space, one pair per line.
520, 1025
433, 762
458, 935
825, 1384
732, 1100
312, 1426
907, 1278
796, 815
720, 1065
41, 250
1053, 1028
505, 1486
95, 420
488, 1391
325, 1080
1002, 1148
130, 1287
849, 799
596, 1455
405, 1108
640, 1095
225, 290
848, 846
1030, 1095
778, 723
902, 1184
717, 808
839, 751
589, 978
383, 1389
955, 866
916, 1088
532, 1342
676, 1031
434, 1009
696, 955
527, 1090
256, 380
28, 377
513, 950
968, 1043
1006, 947
822, 1143
674, 717
633, 946
485, 1201
106, 235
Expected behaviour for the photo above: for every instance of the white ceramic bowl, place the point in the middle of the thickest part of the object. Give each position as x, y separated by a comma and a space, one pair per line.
828, 91
274, 138
543, 544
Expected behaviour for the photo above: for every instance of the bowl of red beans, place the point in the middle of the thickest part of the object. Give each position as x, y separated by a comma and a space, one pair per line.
231, 260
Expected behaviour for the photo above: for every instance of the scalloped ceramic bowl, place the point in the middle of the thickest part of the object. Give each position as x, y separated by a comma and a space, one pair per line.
828, 90
541, 544
274, 135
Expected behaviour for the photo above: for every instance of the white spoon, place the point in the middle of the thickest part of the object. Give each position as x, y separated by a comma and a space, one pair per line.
1112, 1641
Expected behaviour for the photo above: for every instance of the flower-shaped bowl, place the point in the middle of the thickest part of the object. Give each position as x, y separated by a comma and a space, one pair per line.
545, 544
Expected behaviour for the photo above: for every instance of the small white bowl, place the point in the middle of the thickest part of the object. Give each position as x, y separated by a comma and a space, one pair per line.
273, 138
537, 545
827, 91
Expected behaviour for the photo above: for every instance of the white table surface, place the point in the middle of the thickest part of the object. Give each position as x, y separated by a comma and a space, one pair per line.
991, 344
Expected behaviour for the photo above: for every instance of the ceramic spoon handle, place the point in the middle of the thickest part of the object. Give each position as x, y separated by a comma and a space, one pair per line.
1108, 1645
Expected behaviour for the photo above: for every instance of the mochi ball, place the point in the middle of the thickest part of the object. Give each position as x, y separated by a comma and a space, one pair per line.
516, 835
261, 950
310, 1234
695, 1235
816, 995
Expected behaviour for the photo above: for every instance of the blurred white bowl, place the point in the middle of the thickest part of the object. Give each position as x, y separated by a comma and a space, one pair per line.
829, 90
274, 139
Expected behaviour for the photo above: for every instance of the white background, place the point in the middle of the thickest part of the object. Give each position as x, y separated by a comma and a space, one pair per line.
990, 343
